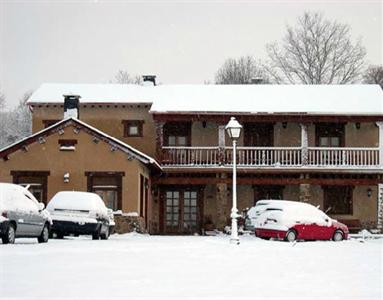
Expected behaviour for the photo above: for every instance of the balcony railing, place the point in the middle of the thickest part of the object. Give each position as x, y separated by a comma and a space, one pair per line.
287, 157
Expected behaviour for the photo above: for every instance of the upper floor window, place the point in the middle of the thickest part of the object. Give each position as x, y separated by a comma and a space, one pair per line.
133, 128
177, 134
330, 135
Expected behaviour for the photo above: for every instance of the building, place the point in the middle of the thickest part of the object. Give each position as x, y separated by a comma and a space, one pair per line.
162, 151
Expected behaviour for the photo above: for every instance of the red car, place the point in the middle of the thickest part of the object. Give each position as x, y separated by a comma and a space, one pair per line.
290, 221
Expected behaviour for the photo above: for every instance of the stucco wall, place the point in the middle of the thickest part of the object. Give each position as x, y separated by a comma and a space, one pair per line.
108, 120
88, 156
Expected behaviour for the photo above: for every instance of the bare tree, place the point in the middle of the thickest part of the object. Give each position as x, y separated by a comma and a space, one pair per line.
316, 51
123, 77
374, 75
2, 101
17, 123
242, 70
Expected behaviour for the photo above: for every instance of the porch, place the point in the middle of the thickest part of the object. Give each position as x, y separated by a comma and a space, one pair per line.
270, 157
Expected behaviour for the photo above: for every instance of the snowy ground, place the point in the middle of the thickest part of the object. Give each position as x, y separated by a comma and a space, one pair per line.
178, 267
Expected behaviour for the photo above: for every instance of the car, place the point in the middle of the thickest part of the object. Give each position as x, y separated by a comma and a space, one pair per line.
293, 220
80, 213
21, 215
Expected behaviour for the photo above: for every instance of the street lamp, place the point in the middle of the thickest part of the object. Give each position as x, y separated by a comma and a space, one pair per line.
233, 129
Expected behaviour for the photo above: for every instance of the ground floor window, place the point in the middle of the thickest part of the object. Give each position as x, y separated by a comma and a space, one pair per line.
338, 200
262, 192
108, 185
36, 180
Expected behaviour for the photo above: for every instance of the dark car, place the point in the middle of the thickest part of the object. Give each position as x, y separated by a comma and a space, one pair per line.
80, 213
22, 215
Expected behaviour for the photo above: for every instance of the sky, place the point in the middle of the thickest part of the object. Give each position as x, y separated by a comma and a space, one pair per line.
179, 41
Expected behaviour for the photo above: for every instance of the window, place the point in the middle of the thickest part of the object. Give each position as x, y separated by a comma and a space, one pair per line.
108, 185
329, 135
67, 145
177, 134
36, 180
133, 128
338, 200
48, 123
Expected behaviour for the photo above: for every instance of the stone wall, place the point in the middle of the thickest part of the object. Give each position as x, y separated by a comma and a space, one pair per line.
128, 223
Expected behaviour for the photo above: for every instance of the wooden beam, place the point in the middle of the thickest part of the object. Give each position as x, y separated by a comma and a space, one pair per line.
267, 181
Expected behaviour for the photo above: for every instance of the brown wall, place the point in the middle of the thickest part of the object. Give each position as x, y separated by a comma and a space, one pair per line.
88, 156
107, 119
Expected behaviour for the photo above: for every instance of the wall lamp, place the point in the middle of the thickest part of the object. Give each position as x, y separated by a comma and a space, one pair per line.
369, 192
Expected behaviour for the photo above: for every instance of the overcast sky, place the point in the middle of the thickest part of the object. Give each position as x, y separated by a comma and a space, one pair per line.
179, 41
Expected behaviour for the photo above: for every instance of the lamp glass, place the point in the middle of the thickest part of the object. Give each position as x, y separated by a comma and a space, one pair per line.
233, 128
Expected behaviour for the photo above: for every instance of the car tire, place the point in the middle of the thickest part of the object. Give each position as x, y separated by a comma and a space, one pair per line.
105, 235
44, 236
59, 236
10, 235
96, 234
338, 236
291, 236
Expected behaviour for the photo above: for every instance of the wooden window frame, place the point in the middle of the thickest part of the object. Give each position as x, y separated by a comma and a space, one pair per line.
91, 175
330, 130
67, 142
349, 190
177, 129
41, 174
138, 123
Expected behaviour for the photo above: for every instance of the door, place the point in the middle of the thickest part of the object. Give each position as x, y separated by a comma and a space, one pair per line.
181, 212
259, 134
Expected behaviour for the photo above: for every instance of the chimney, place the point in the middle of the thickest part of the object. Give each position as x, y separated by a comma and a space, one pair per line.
149, 79
257, 80
71, 106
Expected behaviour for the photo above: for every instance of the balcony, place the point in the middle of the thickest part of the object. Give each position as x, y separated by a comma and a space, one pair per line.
271, 157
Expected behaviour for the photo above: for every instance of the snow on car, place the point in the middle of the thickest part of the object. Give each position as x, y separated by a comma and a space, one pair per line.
80, 213
291, 220
21, 215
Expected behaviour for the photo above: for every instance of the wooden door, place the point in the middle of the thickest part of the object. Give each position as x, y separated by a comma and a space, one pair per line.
259, 134
181, 212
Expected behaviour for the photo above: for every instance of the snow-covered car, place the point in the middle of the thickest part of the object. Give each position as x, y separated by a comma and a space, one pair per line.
21, 215
291, 220
80, 213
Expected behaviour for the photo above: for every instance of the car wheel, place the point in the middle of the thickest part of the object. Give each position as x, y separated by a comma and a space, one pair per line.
10, 235
338, 236
59, 236
105, 235
44, 236
96, 234
291, 236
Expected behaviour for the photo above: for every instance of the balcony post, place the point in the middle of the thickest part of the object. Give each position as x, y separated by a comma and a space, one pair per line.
380, 208
304, 144
380, 126
221, 144
159, 138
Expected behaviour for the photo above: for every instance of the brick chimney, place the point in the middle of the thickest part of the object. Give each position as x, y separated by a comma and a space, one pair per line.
71, 106
149, 79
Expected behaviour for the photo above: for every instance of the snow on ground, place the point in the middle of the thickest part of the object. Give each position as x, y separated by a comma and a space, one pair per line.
135, 266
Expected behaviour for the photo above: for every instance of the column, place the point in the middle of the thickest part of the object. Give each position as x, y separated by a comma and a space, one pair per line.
304, 190
380, 208
221, 144
304, 144
380, 126
222, 204
159, 138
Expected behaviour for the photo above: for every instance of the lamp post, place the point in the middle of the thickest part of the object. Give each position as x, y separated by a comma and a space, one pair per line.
233, 129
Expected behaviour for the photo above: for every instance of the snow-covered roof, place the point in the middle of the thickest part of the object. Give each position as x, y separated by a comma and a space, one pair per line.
312, 99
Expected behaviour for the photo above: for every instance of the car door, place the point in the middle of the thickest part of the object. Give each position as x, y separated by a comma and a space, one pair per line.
34, 217
20, 213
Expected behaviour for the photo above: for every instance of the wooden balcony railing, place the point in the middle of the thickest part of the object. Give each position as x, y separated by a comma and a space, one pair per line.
288, 157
